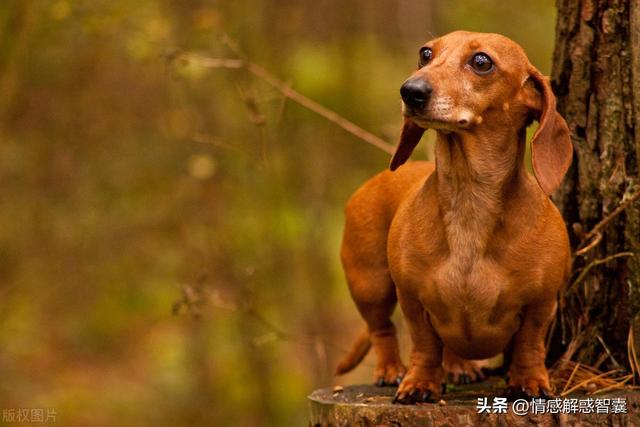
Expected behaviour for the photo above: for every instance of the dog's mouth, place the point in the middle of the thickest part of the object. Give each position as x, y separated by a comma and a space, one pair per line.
440, 117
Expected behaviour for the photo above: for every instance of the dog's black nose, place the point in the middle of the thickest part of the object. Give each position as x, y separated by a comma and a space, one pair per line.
415, 92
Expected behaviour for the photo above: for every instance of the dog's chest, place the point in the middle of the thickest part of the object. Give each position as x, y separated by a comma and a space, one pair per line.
463, 285
469, 306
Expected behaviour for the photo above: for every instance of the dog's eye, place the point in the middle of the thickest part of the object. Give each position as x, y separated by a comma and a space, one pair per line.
481, 63
425, 56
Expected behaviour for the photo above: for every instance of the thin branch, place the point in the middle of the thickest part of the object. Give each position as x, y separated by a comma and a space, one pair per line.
256, 117
595, 263
631, 354
613, 359
291, 94
618, 385
591, 245
203, 138
214, 299
588, 380
566, 386
595, 232
213, 62
613, 214
310, 104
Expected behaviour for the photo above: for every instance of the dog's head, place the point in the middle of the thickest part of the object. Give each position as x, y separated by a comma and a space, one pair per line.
466, 81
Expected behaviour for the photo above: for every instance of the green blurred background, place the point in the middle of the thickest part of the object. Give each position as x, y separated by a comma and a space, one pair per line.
169, 234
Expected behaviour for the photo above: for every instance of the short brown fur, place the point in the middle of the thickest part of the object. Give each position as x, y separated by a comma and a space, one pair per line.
471, 246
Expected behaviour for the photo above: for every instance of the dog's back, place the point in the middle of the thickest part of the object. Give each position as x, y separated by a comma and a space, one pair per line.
370, 210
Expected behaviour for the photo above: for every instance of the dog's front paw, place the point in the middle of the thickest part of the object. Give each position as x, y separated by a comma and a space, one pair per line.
420, 385
525, 383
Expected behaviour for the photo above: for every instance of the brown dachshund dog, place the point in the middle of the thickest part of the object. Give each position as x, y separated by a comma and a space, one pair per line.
471, 246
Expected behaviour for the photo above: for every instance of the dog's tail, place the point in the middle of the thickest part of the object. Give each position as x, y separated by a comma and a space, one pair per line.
358, 352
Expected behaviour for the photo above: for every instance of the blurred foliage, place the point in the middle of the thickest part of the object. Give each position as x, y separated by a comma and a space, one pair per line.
131, 185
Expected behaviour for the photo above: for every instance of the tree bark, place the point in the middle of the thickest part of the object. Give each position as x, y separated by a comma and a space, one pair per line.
596, 78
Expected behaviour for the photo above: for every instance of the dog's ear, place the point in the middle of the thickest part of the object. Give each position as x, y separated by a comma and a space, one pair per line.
551, 148
411, 134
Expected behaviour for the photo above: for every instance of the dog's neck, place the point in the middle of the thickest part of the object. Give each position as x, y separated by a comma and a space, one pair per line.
475, 171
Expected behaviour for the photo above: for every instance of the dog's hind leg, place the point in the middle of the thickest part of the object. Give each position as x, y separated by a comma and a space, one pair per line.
364, 259
461, 371
374, 295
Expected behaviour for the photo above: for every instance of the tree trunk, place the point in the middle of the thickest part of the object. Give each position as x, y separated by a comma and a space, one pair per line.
596, 78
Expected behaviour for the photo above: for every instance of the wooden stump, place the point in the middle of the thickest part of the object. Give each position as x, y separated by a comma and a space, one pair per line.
366, 405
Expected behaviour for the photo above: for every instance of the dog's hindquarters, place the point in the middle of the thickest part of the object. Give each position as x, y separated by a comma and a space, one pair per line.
364, 257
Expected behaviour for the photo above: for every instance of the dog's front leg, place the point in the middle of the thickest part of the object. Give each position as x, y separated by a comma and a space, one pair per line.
527, 374
423, 381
